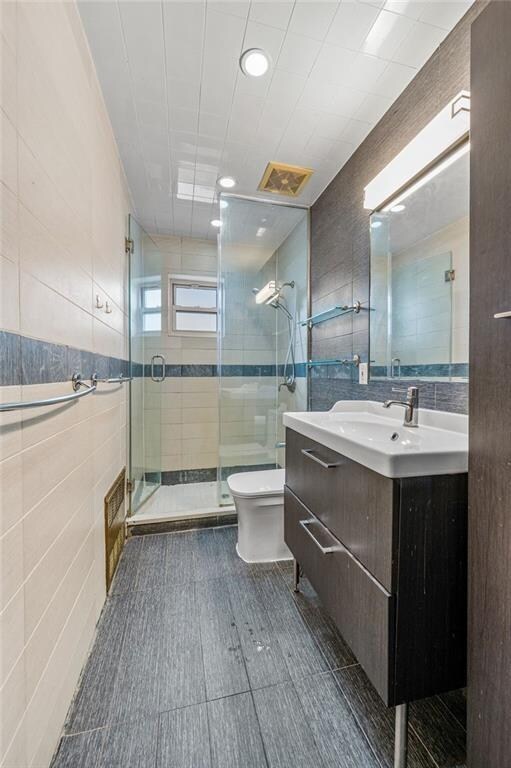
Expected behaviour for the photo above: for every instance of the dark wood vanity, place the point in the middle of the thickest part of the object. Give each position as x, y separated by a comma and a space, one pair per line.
388, 558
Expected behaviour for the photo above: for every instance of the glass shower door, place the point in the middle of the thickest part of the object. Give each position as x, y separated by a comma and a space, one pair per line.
147, 365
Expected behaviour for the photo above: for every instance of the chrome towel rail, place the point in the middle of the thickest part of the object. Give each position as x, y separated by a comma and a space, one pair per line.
76, 382
115, 380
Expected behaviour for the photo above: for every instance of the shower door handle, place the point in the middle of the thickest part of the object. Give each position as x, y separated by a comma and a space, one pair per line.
161, 378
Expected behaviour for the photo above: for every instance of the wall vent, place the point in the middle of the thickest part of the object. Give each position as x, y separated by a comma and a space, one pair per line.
114, 525
281, 179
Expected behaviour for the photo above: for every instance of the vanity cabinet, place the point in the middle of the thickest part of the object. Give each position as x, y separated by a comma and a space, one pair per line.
388, 559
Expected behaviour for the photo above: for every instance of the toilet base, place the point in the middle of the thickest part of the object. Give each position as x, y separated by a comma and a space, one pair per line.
288, 557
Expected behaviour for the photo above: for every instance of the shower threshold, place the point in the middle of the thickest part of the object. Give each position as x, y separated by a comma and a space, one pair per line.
181, 502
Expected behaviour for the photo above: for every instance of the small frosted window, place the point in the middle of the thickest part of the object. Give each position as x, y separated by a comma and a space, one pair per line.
152, 322
152, 298
204, 322
195, 296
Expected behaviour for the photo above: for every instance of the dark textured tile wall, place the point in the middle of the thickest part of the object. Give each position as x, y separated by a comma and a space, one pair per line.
31, 361
340, 246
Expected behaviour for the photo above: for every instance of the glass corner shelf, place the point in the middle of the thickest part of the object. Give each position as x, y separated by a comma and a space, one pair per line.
329, 314
355, 360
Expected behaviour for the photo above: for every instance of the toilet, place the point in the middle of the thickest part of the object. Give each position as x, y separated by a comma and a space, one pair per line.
259, 501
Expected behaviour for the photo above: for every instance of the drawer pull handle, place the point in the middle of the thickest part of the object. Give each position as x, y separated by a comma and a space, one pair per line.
325, 550
309, 453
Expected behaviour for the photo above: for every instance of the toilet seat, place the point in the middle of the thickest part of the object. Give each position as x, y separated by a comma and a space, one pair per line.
267, 482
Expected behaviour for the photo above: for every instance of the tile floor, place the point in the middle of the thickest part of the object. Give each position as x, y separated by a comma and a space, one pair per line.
178, 502
202, 661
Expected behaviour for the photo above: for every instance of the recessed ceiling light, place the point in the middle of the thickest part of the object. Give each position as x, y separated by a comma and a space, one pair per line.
216, 223
375, 224
398, 208
226, 182
254, 62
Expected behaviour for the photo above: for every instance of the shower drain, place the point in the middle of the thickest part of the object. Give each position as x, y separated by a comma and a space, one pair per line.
394, 436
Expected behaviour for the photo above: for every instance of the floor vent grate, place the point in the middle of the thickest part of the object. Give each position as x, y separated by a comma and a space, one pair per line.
114, 525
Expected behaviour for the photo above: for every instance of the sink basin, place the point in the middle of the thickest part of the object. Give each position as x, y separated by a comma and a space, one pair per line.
375, 437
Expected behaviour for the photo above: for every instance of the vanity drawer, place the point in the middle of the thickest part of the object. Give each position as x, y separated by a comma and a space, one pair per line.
353, 502
361, 608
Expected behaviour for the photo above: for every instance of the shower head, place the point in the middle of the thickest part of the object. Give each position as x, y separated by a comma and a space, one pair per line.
270, 294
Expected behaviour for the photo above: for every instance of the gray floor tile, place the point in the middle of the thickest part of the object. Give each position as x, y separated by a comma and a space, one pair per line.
224, 666
377, 720
80, 751
91, 705
301, 653
338, 736
126, 575
456, 703
439, 730
321, 626
187, 620
287, 737
136, 690
264, 659
234, 732
180, 558
183, 740
151, 564
208, 564
130, 745
181, 668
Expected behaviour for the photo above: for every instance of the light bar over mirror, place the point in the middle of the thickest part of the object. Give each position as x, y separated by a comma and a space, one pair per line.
438, 138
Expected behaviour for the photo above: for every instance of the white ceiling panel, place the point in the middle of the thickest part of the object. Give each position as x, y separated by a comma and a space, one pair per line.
351, 24
183, 112
312, 19
298, 54
273, 14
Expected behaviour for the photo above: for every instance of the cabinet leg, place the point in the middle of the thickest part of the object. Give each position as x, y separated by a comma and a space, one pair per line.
296, 576
401, 737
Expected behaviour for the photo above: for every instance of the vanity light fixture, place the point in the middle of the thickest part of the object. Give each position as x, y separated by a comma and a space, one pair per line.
425, 178
437, 139
254, 62
226, 182
216, 223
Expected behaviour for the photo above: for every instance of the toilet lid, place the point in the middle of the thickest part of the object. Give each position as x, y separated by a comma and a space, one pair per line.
260, 483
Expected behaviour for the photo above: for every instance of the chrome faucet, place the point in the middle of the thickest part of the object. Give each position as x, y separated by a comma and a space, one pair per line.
411, 404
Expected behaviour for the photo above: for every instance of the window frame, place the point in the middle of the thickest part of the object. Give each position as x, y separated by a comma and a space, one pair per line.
190, 281
151, 286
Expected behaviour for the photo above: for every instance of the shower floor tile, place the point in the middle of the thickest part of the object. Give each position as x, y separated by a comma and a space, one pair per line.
203, 661
178, 502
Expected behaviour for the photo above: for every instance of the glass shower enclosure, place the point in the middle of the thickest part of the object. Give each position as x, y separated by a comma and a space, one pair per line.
147, 366
262, 347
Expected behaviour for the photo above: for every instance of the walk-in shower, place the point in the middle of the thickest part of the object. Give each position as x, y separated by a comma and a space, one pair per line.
208, 402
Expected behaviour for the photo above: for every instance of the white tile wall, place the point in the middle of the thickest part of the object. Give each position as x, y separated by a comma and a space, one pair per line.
64, 206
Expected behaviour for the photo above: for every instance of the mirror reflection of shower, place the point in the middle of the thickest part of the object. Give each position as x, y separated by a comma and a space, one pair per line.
272, 295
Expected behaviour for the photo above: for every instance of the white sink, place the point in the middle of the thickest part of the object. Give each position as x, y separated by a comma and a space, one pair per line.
375, 437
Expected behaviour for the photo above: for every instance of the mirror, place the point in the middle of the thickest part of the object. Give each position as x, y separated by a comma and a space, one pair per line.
420, 277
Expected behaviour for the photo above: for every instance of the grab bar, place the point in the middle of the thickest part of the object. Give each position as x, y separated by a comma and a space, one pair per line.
76, 383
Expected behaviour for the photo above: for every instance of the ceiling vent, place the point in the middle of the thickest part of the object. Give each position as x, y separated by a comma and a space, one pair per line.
281, 179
